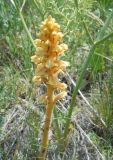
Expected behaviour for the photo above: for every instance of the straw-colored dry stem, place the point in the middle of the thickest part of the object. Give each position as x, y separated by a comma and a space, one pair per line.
48, 118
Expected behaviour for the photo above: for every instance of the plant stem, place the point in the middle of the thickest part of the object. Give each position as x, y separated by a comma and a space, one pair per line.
58, 131
48, 118
88, 33
75, 93
26, 29
79, 83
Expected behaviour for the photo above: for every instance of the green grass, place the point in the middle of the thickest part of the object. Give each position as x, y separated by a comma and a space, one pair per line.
87, 27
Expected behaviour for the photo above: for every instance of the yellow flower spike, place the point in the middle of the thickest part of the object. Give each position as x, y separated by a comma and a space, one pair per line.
59, 96
40, 52
48, 67
36, 59
43, 99
36, 79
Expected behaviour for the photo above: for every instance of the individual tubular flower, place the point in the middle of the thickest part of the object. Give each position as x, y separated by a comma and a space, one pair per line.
48, 67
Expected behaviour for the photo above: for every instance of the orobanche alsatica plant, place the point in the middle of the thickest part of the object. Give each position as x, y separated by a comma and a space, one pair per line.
48, 67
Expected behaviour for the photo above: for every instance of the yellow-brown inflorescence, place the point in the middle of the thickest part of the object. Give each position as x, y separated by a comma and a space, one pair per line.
48, 67
46, 58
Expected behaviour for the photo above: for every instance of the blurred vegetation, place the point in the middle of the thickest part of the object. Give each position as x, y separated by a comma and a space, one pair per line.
83, 23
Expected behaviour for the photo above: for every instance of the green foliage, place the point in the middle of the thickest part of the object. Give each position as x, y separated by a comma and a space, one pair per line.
106, 3
84, 23
103, 102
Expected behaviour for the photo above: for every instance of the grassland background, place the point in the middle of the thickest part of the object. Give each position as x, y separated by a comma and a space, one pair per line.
83, 23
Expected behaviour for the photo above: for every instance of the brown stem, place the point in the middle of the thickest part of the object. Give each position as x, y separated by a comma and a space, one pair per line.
48, 118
